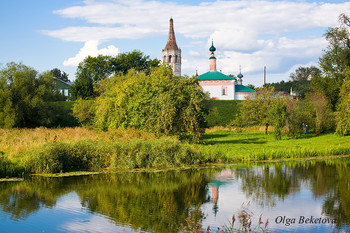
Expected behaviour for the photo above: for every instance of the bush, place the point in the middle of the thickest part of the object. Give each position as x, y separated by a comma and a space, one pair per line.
158, 103
9, 169
164, 152
64, 157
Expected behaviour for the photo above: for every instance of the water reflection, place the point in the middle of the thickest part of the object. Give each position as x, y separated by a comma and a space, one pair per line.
161, 201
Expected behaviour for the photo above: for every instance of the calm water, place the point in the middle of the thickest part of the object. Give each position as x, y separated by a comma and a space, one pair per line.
161, 201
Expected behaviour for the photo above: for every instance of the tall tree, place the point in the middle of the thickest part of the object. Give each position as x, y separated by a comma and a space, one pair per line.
94, 69
24, 95
305, 73
343, 110
57, 73
335, 60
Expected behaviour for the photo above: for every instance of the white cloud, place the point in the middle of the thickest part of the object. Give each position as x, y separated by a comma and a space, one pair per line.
253, 34
90, 49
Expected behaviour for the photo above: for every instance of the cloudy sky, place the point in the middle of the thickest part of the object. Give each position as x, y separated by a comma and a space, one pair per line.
281, 35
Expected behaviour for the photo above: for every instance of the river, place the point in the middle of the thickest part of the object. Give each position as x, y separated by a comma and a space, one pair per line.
294, 196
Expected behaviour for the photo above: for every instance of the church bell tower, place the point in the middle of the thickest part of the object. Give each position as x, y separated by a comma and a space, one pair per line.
171, 54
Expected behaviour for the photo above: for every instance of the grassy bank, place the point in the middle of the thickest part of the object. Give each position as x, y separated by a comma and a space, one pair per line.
254, 145
41, 150
44, 150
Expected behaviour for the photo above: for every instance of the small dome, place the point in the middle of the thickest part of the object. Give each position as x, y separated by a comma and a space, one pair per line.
212, 48
240, 75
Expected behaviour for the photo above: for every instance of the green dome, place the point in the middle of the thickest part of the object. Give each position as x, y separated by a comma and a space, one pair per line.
212, 48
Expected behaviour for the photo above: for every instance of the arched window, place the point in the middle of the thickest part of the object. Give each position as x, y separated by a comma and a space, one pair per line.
175, 58
170, 58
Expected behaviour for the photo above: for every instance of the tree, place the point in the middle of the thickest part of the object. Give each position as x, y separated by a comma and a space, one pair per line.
278, 115
343, 109
255, 109
324, 120
334, 61
305, 73
24, 95
299, 87
94, 69
57, 73
159, 103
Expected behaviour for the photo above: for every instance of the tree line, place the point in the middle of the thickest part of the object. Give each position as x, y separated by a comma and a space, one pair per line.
323, 102
132, 90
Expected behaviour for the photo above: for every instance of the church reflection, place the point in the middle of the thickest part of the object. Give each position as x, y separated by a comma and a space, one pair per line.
219, 179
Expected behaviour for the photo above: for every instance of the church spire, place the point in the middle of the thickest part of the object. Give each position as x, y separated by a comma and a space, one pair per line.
171, 44
171, 54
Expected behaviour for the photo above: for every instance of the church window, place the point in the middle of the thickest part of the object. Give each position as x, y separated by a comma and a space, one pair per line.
170, 58
224, 91
175, 58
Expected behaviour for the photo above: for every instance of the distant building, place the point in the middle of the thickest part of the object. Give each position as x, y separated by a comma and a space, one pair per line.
221, 86
63, 87
171, 54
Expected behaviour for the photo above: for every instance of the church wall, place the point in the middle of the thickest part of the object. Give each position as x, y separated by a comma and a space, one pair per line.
215, 89
242, 95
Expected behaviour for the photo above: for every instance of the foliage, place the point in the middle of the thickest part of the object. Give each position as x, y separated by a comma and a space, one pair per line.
57, 73
63, 114
343, 109
221, 111
278, 114
84, 111
305, 73
24, 96
299, 112
10, 169
334, 61
325, 118
94, 69
260, 109
159, 103
299, 87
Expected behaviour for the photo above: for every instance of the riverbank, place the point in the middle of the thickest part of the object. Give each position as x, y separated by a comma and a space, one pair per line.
42, 150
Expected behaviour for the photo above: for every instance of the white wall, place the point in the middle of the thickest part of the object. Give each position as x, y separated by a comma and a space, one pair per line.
215, 89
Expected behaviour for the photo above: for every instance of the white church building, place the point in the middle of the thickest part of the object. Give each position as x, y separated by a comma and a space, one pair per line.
219, 85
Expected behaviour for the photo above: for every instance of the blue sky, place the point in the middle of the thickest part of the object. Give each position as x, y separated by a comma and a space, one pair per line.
281, 35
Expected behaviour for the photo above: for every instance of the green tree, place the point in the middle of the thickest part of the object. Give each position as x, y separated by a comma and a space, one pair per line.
334, 61
255, 109
299, 112
57, 73
278, 115
343, 109
305, 73
24, 95
158, 103
324, 115
94, 69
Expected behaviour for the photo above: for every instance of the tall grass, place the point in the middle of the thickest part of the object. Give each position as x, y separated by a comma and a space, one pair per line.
44, 150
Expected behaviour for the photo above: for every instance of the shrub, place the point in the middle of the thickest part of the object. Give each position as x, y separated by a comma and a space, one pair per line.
158, 103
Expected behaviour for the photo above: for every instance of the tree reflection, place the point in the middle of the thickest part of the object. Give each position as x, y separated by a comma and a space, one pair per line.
161, 201
147, 201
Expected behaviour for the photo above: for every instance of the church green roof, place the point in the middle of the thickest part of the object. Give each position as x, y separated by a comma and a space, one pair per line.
242, 88
215, 75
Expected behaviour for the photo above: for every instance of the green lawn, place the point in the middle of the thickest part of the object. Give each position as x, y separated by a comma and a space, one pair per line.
235, 146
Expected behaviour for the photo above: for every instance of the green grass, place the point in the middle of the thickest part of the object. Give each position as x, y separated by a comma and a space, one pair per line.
221, 112
233, 146
42, 150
